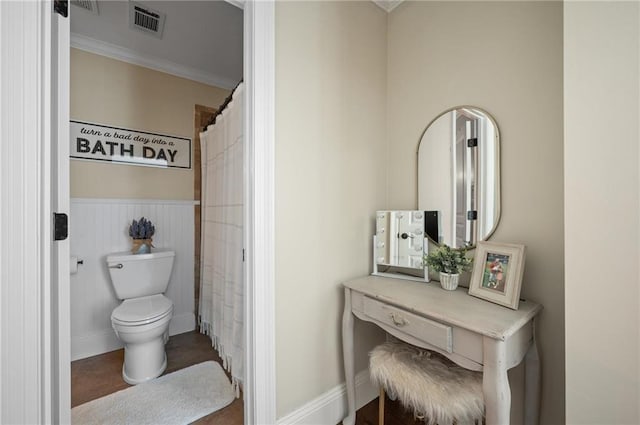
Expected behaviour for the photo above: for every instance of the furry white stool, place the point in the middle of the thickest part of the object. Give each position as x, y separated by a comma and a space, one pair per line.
426, 383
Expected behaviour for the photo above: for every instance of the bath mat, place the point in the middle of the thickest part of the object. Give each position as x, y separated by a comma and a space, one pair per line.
177, 398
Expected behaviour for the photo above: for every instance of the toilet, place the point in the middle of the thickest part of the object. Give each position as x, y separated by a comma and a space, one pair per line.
141, 321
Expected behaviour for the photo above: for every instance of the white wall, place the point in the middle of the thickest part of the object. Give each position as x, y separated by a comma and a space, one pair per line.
330, 180
100, 227
601, 106
506, 58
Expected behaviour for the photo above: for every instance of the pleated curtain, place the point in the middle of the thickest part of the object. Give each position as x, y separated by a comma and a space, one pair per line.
221, 283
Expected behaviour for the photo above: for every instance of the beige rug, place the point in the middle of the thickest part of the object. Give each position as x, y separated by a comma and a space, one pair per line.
177, 398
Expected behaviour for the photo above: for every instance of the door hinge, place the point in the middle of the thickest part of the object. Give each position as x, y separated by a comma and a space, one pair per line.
472, 143
243, 255
472, 215
61, 7
60, 226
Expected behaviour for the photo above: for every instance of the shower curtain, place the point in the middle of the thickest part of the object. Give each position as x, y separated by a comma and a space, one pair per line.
222, 277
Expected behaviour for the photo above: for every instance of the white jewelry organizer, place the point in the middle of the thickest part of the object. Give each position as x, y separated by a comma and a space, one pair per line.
399, 245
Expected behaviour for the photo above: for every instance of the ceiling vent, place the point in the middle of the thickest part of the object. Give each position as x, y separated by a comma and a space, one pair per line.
88, 5
145, 19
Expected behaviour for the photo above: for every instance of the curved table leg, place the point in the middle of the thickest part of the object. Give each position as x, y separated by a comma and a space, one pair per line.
347, 352
532, 384
495, 382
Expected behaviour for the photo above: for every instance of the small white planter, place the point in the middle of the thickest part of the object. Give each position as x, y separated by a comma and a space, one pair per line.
449, 281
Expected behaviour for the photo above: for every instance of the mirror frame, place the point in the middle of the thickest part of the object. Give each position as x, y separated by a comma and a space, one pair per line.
498, 201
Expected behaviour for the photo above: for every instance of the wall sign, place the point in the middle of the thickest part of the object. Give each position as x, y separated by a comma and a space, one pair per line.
97, 142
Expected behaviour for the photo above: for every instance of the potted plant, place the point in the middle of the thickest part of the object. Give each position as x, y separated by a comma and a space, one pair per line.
142, 232
450, 263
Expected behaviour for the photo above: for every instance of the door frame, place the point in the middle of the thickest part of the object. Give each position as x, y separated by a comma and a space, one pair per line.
259, 74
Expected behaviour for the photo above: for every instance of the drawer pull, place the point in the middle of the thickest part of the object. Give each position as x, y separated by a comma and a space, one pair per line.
398, 320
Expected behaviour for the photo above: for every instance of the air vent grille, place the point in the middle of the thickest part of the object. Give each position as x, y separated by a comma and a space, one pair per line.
88, 5
145, 19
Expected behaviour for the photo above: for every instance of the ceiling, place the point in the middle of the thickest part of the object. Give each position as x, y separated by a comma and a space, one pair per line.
201, 40
388, 5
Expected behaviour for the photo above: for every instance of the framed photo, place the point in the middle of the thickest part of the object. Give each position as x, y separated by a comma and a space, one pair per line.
497, 273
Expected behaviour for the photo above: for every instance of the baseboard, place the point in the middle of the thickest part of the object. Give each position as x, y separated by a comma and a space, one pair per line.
106, 340
182, 323
331, 407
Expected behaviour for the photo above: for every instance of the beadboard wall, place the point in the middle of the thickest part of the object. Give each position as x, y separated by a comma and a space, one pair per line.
99, 227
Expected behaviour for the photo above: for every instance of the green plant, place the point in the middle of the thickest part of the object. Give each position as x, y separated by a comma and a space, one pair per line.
448, 260
141, 229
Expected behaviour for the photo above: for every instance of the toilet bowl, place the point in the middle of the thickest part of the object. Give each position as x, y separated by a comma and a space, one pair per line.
141, 321
142, 324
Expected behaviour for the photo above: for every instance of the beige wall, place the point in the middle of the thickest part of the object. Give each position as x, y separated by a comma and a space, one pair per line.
110, 92
330, 179
602, 92
340, 155
504, 57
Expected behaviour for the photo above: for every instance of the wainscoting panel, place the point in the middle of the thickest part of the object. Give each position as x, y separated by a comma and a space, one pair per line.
99, 227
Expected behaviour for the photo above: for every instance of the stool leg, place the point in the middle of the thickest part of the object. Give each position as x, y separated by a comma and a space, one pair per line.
381, 407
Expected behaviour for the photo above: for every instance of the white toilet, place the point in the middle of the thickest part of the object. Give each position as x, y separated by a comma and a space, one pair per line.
141, 321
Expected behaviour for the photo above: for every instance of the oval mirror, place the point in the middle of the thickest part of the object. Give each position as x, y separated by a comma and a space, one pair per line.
459, 176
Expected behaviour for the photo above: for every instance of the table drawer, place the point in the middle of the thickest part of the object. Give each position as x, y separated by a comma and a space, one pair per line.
434, 333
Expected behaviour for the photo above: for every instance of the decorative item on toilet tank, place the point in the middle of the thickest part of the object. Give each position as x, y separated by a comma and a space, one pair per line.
142, 231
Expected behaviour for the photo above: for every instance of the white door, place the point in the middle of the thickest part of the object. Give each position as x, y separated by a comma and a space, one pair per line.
60, 203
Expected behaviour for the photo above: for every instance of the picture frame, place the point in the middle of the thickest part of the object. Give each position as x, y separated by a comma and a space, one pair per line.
497, 273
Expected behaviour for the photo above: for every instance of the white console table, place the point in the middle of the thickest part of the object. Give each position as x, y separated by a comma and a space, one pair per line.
472, 332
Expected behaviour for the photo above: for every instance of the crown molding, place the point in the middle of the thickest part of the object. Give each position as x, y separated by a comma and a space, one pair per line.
123, 54
387, 5
237, 3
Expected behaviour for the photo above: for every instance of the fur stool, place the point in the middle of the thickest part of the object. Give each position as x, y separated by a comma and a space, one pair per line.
426, 383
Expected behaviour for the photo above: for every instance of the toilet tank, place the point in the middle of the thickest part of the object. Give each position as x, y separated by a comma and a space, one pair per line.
139, 275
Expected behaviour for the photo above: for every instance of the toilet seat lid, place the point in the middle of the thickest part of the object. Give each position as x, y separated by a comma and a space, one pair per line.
143, 310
